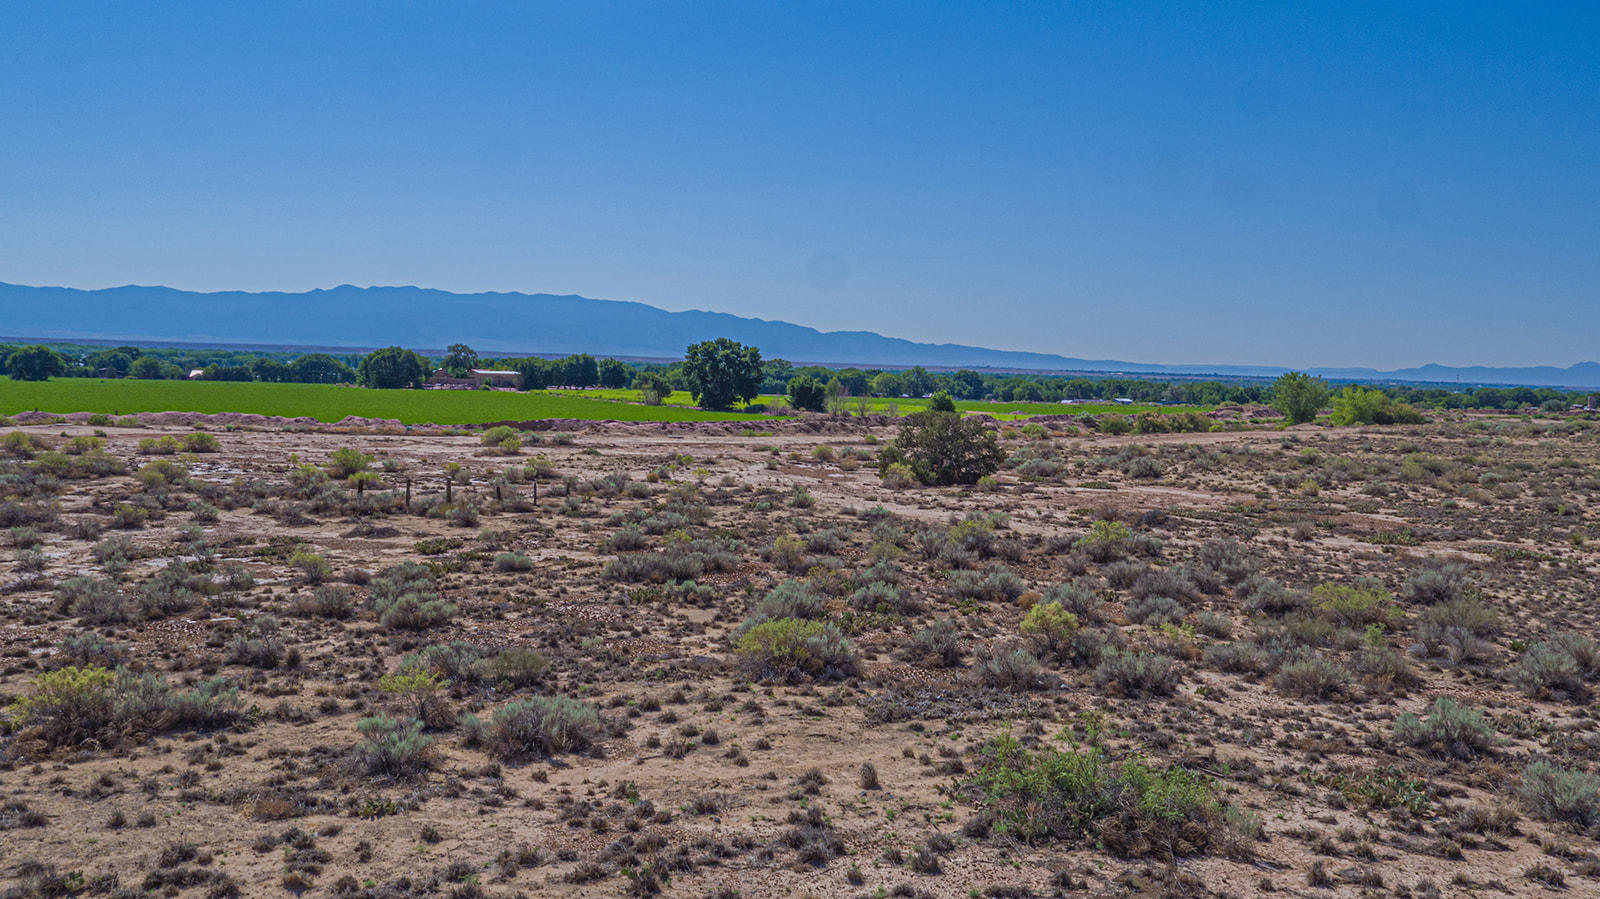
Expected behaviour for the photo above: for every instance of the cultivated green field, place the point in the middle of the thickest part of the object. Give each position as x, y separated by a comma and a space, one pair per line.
1001, 410
328, 403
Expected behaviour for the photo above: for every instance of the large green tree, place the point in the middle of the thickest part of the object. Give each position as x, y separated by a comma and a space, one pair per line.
1299, 396
614, 374
944, 448
392, 368
35, 363
320, 368
459, 359
722, 372
807, 393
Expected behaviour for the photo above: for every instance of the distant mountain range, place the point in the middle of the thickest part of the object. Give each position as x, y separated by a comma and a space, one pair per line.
517, 323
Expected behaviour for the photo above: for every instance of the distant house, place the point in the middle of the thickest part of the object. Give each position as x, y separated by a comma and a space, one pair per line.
475, 378
196, 373
1123, 401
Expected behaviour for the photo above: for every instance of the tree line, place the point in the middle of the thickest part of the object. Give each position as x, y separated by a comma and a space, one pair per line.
807, 387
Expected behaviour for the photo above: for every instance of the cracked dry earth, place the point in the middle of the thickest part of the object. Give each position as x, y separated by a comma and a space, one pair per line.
1252, 612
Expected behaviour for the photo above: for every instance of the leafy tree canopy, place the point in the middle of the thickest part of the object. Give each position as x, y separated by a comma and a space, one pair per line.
722, 372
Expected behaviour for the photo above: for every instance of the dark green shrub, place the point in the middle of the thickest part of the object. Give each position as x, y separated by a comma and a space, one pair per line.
512, 561
943, 448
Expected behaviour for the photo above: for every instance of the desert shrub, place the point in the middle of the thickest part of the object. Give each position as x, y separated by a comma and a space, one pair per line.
347, 461
201, 442
538, 726
1009, 666
457, 660
629, 539
1227, 558
403, 598
881, 596
939, 645
790, 649
1141, 468
1313, 678
262, 649
158, 446
414, 685
1561, 794
1546, 668
898, 476
512, 561
1132, 809
995, 585
1170, 582
1079, 597
213, 702
1583, 650
1266, 596
1456, 628
1242, 657
1050, 626
1122, 573
1136, 674
162, 473
1381, 666
1106, 541
325, 601
495, 437
68, 705
74, 704
1435, 585
1356, 606
1155, 610
1449, 730
89, 649
95, 601
790, 599
515, 667
393, 748
313, 567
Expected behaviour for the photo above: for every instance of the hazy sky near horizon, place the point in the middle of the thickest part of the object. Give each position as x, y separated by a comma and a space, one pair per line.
1294, 184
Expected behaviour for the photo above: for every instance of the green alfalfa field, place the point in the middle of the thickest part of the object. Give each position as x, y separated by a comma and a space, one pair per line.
327, 402
331, 403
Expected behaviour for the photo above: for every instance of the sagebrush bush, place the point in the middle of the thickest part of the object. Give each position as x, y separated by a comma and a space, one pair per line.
1106, 541
74, 704
1449, 730
1436, 585
1263, 595
1137, 674
939, 645
1009, 666
791, 649
512, 561
326, 601
514, 667
1079, 597
1169, 582
1547, 667
403, 598
1357, 606
1314, 678
1567, 795
1155, 610
540, 726
394, 748
790, 599
95, 601
884, 597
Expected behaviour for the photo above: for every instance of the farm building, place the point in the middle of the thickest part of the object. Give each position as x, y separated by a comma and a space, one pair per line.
475, 378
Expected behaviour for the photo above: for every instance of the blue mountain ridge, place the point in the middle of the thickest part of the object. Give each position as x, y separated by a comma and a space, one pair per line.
514, 323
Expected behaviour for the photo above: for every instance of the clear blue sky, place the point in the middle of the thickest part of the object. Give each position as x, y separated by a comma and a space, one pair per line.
1296, 184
